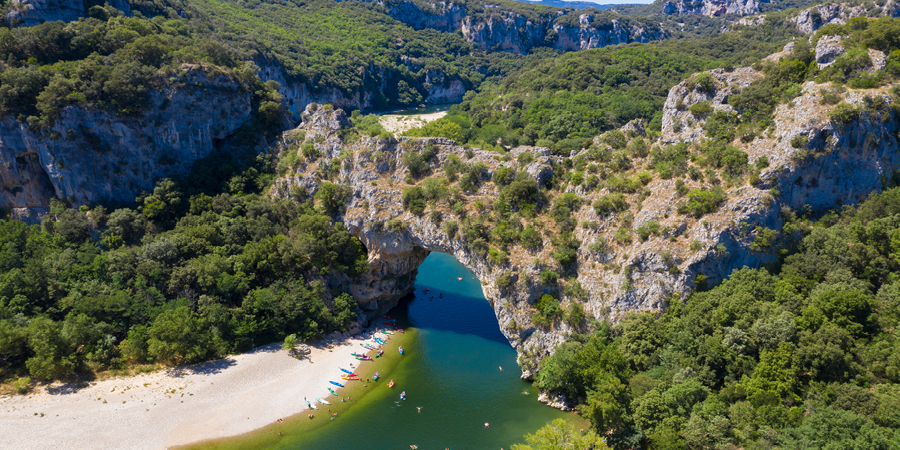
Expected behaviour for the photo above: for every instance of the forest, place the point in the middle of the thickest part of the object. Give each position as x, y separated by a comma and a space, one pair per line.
195, 270
798, 355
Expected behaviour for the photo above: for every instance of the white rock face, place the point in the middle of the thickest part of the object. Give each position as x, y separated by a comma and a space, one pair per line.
712, 8
814, 164
828, 49
90, 155
35, 12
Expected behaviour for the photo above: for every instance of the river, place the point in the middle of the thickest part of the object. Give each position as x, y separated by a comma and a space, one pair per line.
451, 369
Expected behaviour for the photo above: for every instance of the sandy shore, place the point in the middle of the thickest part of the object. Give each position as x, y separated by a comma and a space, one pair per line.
178, 406
398, 124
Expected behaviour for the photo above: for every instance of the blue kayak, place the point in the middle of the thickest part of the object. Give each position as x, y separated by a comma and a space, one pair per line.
336, 383
346, 371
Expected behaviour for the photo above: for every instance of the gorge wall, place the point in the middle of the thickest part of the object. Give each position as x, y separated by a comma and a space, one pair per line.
837, 164
89, 155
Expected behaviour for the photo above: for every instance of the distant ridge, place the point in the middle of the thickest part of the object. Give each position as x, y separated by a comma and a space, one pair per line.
563, 4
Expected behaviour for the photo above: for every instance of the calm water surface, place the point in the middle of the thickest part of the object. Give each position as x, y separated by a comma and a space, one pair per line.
451, 369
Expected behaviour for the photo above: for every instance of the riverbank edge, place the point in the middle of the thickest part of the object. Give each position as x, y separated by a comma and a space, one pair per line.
291, 427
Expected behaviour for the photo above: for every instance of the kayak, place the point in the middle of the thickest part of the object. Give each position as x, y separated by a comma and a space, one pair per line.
336, 383
386, 332
322, 401
380, 341
351, 378
375, 377
347, 371
332, 392
401, 350
403, 395
391, 384
311, 405
359, 354
388, 318
363, 358
425, 290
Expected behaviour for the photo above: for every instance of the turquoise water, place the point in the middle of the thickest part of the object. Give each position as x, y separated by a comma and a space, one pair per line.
451, 369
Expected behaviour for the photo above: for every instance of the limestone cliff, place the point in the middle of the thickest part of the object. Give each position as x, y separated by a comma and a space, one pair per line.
712, 8
814, 164
34, 12
90, 155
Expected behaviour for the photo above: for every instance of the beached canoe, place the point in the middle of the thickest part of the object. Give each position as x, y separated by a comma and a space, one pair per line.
363, 358
311, 405
351, 378
380, 341
322, 401
388, 318
346, 371
332, 392
358, 354
336, 383
386, 332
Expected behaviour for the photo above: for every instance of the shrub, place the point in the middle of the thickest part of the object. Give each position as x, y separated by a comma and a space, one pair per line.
395, 225
503, 176
622, 236
648, 228
702, 201
505, 280
333, 197
574, 314
610, 203
799, 140
414, 200
548, 306
415, 163
436, 217
530, 238
843, 113
548, 277
700, 110
497, 257
451, 228
22, 385
309, 151
599, 246
764, 239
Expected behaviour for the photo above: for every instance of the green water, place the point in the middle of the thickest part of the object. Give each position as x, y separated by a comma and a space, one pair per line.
451, 369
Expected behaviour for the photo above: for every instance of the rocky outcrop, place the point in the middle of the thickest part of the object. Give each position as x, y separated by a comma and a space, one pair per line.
813, 18
813, 164
90, 155
712, 8
588, 35
35, 12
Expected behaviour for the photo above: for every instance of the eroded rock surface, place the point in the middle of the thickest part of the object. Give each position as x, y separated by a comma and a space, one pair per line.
814, 164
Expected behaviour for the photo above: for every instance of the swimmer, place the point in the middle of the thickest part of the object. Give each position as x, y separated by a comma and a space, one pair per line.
419, 408
487, 425
501, 367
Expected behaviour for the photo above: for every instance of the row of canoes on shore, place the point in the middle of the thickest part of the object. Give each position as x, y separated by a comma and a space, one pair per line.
351, 376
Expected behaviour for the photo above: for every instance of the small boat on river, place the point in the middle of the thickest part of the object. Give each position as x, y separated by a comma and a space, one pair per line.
336, 383
403, 395
375, 377
391, 384
401, 349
